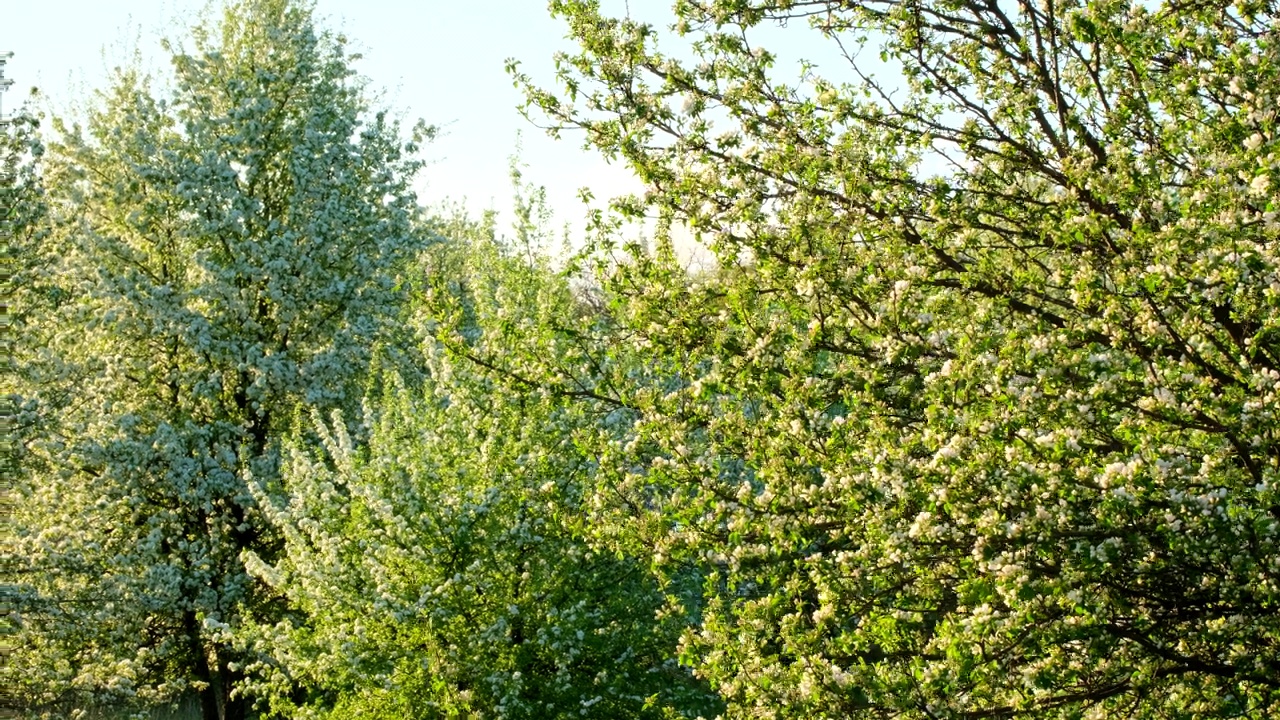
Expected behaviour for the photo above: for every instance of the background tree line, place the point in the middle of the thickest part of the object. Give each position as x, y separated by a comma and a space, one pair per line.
975, 414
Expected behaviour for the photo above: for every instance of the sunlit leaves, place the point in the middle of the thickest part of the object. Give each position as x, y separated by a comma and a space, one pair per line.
444, 567
974, 416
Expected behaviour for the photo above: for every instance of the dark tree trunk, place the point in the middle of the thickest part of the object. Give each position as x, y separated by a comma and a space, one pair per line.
232, 708
209, 705
216, 702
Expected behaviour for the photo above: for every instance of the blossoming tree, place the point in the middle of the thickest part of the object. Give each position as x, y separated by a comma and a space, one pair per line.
227, 250
977, 417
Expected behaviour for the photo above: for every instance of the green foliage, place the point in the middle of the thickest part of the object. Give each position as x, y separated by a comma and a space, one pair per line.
27, 288
978, 415
442, 567
28, 292
222, 251
975, 416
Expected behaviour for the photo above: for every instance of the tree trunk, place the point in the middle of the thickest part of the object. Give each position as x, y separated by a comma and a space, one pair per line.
209, 706
233, 708
216, 702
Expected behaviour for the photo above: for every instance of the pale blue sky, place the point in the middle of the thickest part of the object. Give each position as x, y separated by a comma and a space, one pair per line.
439, 60
435, 59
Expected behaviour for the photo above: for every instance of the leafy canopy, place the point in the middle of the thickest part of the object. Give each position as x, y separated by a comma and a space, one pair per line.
442, 567
977, 417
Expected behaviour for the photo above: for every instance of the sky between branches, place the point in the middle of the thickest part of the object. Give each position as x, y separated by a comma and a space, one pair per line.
439, 60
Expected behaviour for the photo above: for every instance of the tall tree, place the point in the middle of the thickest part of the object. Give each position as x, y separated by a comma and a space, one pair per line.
978, 415
229, 250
